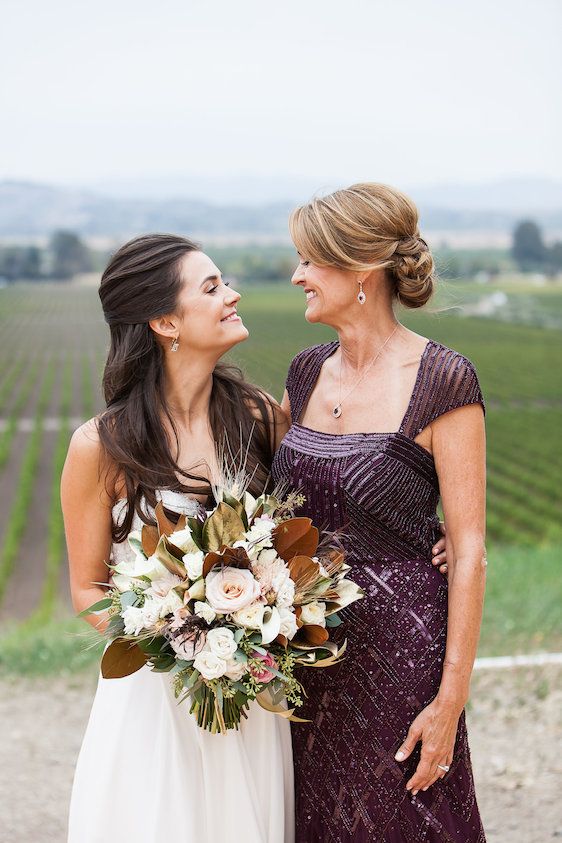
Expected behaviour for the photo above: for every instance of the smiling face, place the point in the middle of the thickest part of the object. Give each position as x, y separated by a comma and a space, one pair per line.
329, 291
206, 318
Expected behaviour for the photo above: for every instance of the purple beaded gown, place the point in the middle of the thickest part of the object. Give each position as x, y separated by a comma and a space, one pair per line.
381, 491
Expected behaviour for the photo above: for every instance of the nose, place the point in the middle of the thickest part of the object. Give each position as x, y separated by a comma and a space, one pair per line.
233, 296
298, 275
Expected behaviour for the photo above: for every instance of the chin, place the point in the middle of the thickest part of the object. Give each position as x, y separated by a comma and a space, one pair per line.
312, 315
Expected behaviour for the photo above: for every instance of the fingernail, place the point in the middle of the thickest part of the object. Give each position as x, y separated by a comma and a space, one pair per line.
435, 550
399, 756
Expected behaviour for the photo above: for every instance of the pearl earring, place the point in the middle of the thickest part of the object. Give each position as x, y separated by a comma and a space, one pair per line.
361, 297
175, 345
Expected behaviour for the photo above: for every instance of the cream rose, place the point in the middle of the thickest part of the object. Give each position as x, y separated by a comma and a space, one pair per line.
194, 564
288, 626
314, 612
209, 665
221, 642
235, 670
231, 589
204, 611
284, 587
250, 617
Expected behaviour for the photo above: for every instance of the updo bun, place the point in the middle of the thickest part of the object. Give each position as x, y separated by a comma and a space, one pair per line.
364, 227
414, 272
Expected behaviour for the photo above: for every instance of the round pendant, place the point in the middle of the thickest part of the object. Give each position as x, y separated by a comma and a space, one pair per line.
361, 297
336, 412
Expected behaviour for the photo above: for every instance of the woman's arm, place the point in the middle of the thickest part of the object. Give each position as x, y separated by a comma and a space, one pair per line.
86, 509
459, 447
278, 422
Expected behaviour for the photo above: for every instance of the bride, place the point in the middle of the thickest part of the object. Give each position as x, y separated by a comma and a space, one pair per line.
146, 771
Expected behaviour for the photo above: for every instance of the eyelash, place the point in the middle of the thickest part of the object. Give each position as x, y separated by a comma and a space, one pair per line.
212, 290
304, 263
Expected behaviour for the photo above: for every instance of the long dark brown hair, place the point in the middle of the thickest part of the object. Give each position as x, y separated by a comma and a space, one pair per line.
141, 282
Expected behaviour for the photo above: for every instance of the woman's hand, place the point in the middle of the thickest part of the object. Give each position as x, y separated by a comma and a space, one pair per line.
436, 727
439, 552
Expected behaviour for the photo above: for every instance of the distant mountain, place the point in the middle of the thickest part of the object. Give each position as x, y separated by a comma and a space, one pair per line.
32, 210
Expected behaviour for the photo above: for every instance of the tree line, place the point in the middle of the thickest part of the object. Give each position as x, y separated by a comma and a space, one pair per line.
65, 256
530, 252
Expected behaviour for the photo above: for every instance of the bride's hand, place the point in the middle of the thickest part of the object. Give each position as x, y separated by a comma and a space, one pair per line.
439, 552
436, 727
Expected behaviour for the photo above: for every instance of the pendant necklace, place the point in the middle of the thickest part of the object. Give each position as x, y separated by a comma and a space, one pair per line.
337, 411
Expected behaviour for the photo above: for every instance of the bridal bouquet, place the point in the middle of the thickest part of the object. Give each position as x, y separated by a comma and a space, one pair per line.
229, 601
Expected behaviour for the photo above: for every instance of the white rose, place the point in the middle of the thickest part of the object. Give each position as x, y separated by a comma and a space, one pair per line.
161, 586
288, 626
314, 613
194, 564
250, 617
260, 532
139, 566
235, 670
168, 604
209, 665
204, 611
231, 589
221, 642
267, 556
137, 618
284, 586
184, 540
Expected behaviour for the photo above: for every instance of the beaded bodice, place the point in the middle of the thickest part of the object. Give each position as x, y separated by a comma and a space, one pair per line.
380, 489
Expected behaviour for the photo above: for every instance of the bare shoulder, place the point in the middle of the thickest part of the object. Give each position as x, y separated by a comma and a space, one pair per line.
86, 467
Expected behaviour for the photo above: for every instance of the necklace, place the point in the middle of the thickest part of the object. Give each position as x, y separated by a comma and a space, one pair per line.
337, 411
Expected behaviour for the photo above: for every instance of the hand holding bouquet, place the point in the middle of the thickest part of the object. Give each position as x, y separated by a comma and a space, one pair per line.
230, 602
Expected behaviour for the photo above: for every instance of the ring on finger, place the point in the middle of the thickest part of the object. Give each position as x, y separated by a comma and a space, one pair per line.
444, 767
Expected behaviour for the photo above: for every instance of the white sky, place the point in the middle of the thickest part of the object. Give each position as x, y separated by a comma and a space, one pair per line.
397, 90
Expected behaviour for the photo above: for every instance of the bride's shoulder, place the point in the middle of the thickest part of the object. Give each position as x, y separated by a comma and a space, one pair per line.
86, 461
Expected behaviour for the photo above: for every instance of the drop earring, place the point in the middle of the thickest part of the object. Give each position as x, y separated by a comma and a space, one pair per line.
361, 297
175, 344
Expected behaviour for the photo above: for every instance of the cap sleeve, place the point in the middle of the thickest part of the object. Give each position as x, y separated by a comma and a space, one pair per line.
302, 375
448, 381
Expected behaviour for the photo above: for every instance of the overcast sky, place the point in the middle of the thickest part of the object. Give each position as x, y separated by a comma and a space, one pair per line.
402, 91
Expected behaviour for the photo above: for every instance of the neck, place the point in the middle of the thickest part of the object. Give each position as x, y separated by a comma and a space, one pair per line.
188, 387
365, 330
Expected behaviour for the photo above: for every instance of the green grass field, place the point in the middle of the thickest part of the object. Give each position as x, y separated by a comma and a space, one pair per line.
53, 348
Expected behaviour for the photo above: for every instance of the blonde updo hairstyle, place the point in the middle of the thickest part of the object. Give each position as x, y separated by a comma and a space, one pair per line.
364, 227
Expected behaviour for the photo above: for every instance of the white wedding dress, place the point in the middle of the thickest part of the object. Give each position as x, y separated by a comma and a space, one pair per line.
147, 773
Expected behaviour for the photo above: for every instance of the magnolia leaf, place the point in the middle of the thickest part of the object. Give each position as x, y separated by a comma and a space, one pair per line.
196, 527
281, 639
150, 538
165, 526
167, 559
122, 658
223, 527
297, 536
237, 506
264, 700
304, 572
153, 646
235, 557
312, 633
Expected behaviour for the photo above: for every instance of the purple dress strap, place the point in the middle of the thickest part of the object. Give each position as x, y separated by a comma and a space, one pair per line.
446, 380
303, 374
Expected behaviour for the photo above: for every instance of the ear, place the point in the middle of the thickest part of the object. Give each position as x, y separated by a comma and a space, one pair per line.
165, 326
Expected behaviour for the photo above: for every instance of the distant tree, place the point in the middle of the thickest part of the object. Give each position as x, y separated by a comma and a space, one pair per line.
554, 257
20, 262
69, 255
528, 248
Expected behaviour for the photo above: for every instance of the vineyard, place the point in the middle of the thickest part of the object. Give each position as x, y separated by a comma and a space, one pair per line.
53, 347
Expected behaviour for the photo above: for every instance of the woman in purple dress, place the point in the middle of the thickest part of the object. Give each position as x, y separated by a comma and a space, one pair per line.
384, 423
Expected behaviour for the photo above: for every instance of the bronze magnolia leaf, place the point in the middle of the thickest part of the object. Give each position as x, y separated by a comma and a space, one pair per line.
165, 526
312, 633
304, 572
281, 639
235, 557
295, 537
167, 559
223, 527
150, 537
122, 658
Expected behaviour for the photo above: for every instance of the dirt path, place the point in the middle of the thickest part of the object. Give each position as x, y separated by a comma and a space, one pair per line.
514, 720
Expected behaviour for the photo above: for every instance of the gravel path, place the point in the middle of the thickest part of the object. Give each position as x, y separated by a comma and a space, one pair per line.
515, 721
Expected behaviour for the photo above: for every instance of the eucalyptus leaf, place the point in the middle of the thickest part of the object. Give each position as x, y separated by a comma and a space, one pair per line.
333, 620
105, 603
128, 598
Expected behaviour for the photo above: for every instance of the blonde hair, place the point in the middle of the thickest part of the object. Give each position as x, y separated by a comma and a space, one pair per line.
364, 227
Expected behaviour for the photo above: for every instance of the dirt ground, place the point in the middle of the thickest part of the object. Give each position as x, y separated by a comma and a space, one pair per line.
515, 721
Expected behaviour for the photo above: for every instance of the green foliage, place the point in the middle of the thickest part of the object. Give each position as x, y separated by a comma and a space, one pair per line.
69, 255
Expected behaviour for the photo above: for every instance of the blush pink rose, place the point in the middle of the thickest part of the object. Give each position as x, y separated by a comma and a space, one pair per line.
263, 674
231, 589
